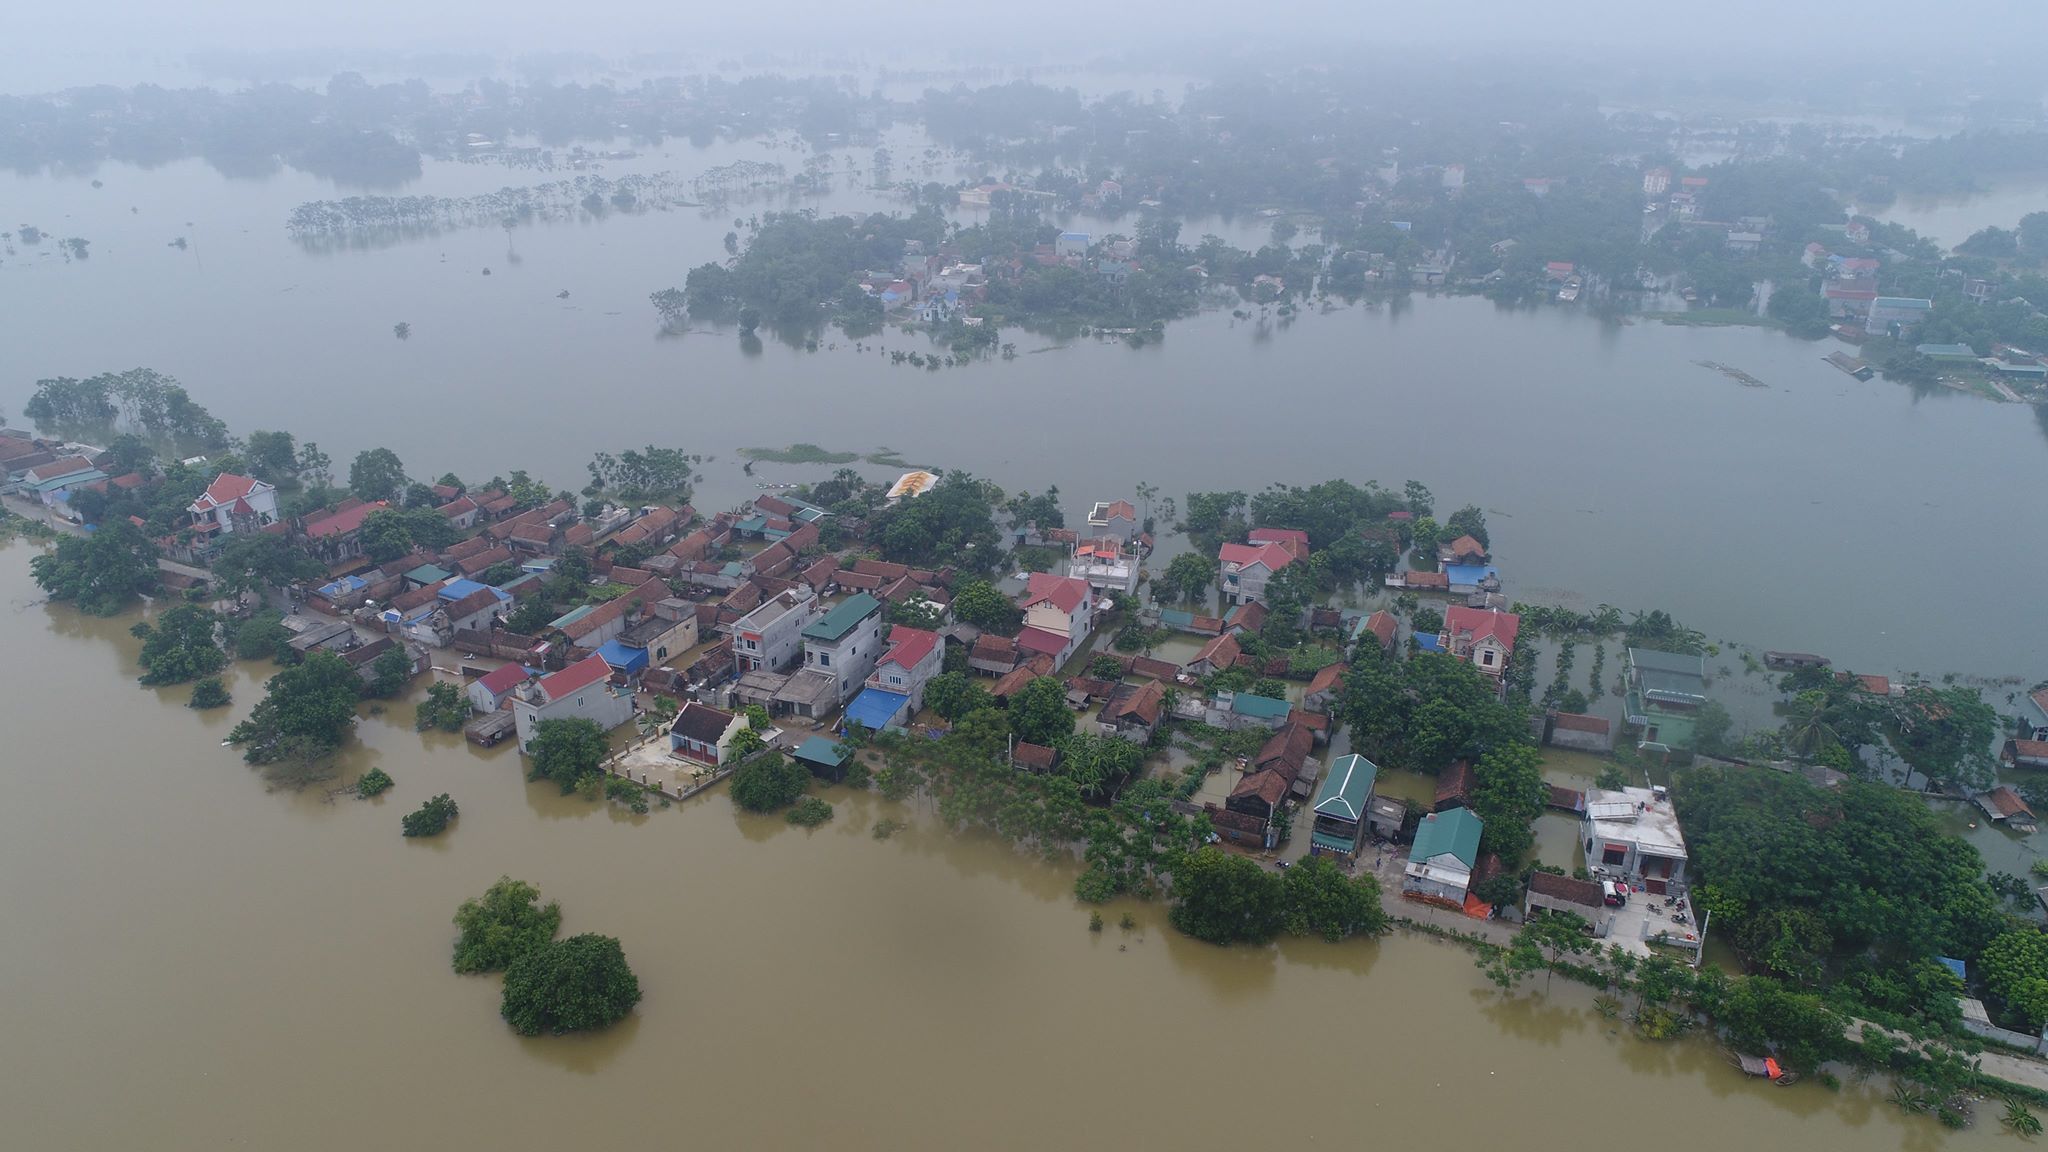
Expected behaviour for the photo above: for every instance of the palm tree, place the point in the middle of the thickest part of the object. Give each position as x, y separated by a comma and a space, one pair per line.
1811, 728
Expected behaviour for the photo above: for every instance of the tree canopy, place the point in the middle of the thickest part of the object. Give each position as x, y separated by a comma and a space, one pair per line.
1426, 711
768, 782
180, 646
566, 750
1227, 899
102, 573
569, 985
307, 712
503, 924
377, 474
1039, 712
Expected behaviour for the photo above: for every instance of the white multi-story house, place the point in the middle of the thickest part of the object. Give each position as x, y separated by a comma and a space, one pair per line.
914, 657
231, 498
843, 644
1105, 565
581, 691
1248, 568
1114, 518
771, 637
1059, 612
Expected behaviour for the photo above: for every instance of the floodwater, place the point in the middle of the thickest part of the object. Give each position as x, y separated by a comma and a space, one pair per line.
192, 961
1950, 220
1819, 513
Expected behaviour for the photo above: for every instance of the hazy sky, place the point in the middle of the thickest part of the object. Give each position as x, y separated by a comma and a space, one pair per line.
56, 42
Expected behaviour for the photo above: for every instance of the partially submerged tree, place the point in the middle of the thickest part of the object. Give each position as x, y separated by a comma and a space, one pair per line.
503, 924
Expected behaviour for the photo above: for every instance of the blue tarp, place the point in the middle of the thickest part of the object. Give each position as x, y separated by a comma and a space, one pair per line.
625, 659
344, 586
875, 709
1954, 965
1468, 573
1428, 642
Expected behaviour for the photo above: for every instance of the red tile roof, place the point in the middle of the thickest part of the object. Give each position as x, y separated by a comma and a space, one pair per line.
1034, 756
460, 506
1121, 509
469, 547
1381, 624
2007, 803
1139, 703
225, 490
882, 568
1466, 546
1039, 640
1454, 784
1876, 685
1273, 555
1436, 580
1270, 786
575, 678
994, 648
63, 466
1218, 653
341, 523
1294, 539
1014, 682
1481, 623
503, 680
479, 561
2028, 749
1286, 749
1250, 615
1065, 593
1157, 669
478, 601
1327, 678
908, 645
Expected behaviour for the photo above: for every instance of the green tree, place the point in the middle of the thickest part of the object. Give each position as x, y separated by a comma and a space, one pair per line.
1098, 765
258, 561
1322, 901
1467, 521
567, 751
977, 602
954, 694
1187, 577
569, 985
1226, 899
375, 782
431, 819
1508, 794
102, 573
262, 636
209, 692
445, 707
769, 782
377, 474
503, 924
180, 645
1039, 712
305, 714
272, 456
2015, 970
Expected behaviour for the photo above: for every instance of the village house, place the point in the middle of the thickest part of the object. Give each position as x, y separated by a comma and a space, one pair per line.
667, 629
1632, 835
2004, 806
1382, 626
1247, 568
1463, 550
703, 733
770, 637
1665, 693
1343, 807
53, 483
1059, 613
840, 649
1116, 519
580, 691
463, 512
1214, 656
992, 655
491, 691
233, 503
1259, 796
1105, 564
1454, 786
2034, 714
1249, 616
894, 691
1133, 711
1287, 750
2028, 754
1481, 637
1322, 690
363, 658
1584, 733
1442, 859
1234, 710
1585, 899
1031, 757
336, 536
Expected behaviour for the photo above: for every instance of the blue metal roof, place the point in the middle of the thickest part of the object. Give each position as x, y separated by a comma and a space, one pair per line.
1429, 642
624, 658
457, 589
875, 709
1954, 965
1469, 573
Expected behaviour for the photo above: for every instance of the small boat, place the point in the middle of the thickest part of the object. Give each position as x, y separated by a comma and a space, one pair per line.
1766, 1067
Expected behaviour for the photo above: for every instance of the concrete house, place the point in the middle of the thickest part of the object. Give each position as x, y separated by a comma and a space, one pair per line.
53, 483
1059, 613
336, 536
1632, 834
1116, 519
582, 690
842, 645
1665, 693
233, 502
703, 733
914, 656
1247, 568
1106, 564
1441, 861
489, 692
2034, 715
1343, 807
1481, 637
1214, 656
770, 638
1133, 711
1323, 688
667, 630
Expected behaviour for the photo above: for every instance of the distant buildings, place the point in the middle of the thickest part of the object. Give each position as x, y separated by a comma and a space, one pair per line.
580, 691
1656, 181
1897, 315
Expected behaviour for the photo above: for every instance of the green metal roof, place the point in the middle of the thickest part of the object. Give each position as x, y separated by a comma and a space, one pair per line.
834, 625
572, 616
428, 574
818, 750
1347, 789
1333, 843
1454, 832
1669, 674
1263, 707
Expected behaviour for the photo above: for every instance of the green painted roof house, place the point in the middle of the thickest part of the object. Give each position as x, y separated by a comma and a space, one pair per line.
1347, 789
1260, 707
833, 626
1453, 833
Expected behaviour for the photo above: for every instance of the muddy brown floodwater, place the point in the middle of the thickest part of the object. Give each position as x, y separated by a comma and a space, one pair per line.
190, 961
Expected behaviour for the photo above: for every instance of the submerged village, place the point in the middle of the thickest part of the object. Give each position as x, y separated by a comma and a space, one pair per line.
1321, 715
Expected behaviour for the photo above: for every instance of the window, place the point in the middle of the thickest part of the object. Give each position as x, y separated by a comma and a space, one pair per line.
1486, 658
824, 659
1613, 853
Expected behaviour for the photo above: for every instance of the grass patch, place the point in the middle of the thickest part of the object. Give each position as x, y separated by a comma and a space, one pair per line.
799, 454
886, 458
